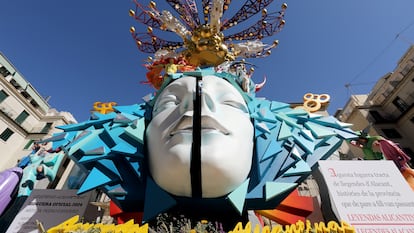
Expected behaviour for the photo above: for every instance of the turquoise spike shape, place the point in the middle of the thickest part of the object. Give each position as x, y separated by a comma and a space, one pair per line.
291, 122
345, 134
300, 168
99, 118
273, 189
329, 121
238, 196
136, 167
307, 134
94, 180
275, 106
156, 200
140, 112
73, 127
262, 127
314, 116
91, 142
137, 133
305, 144
130, 109
262, 143
272, 150
124, 148
123, 118
319, 131
91, 158
253, 105
110, 165
284, 132
85, 140
114, 133
116, 190
296, 112
101, 150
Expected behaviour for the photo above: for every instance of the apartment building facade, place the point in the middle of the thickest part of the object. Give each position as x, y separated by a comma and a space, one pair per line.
25, 116
388, 108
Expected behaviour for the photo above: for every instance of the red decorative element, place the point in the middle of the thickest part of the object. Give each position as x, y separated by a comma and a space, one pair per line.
163, 66
259, 86
122, 217
291, 210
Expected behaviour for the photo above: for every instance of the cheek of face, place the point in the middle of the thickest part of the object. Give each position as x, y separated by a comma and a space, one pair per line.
226, 138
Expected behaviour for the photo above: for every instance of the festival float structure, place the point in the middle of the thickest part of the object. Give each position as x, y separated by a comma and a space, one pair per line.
204, 146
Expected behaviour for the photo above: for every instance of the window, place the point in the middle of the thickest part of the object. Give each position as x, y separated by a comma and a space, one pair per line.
3, 95
406, 69
46, 128
7, 133
377, 116
4, 71
391, 133
34, 104
400, 104
28, 144
21, 117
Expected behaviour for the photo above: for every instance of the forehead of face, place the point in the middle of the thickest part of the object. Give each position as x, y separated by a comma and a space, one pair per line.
215, 92
219, 88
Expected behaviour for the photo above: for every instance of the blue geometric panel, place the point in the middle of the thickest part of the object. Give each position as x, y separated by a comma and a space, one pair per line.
156, 200
94, 180
319, 131
300, 168
288, 144
238, 196
275, 188
285, 132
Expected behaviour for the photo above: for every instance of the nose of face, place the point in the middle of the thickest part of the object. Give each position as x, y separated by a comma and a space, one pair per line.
207, 103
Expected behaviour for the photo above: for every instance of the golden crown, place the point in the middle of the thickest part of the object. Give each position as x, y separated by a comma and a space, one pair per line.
204, 44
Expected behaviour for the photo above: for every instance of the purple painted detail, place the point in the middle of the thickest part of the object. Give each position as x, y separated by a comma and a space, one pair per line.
9, 179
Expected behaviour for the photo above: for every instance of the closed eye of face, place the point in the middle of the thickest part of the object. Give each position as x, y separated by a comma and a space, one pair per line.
165, 102
170, 97
234, 101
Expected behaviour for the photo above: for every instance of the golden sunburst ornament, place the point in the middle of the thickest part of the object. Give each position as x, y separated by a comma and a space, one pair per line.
205, 44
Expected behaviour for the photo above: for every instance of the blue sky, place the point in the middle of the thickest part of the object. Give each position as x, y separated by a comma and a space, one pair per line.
79, 52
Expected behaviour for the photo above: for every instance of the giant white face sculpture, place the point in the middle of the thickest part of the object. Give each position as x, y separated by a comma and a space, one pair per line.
226, 137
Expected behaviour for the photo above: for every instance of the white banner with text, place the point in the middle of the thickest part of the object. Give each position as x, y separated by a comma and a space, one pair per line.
371, 195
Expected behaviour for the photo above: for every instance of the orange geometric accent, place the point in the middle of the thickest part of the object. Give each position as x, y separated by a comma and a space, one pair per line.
291, 210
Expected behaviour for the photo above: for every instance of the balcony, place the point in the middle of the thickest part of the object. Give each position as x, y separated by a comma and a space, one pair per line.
8, 112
